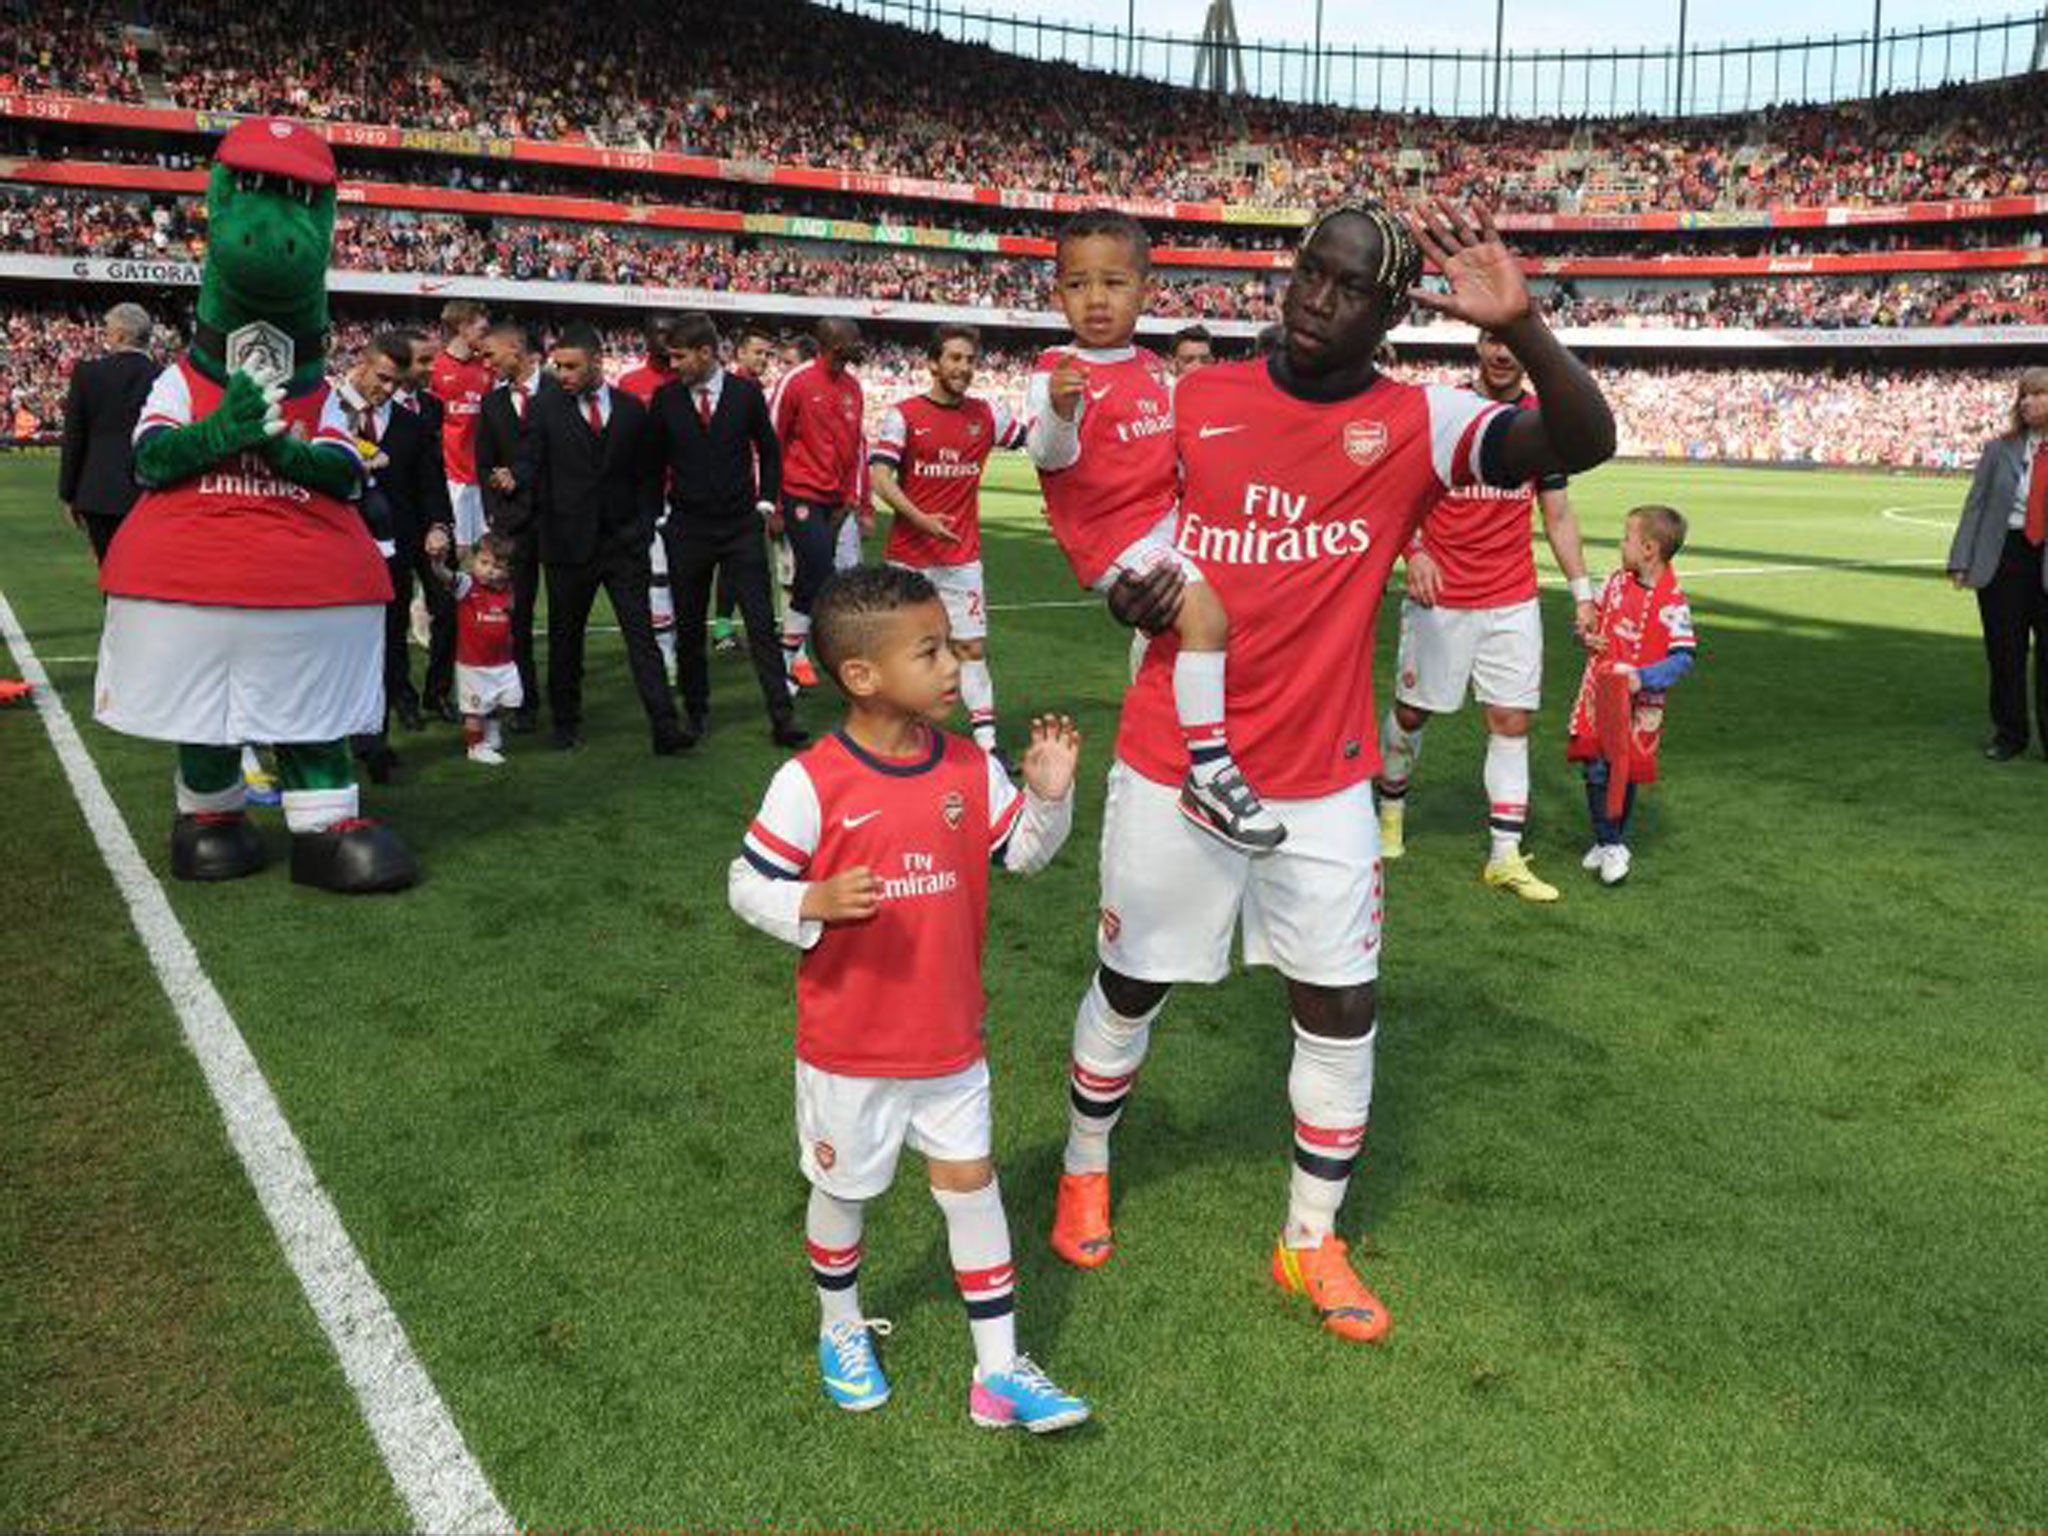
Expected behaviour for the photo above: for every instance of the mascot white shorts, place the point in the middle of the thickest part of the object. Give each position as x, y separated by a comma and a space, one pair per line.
223, 676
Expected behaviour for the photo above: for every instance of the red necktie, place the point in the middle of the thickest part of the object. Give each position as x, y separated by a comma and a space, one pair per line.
2037, 495
596, 416
704, 406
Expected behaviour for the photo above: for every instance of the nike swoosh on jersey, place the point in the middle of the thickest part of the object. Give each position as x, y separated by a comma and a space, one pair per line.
1220, 431
850, 822
1097, 394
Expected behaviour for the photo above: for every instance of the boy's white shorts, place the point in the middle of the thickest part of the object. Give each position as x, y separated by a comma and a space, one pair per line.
850, 1130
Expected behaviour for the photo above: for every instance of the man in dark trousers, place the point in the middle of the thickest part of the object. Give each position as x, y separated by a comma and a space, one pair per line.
420, 507
724, 475
400, 482
593, 459
508, 503
95, 478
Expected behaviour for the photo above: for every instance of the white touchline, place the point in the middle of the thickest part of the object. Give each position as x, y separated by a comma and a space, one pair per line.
430, 1464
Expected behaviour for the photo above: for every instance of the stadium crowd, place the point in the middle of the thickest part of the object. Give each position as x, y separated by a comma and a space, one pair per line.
792, 83
1909, 417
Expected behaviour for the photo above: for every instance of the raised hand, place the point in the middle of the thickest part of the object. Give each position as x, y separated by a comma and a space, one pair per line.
1487, 286
851, 896
1052, 757
1064, 388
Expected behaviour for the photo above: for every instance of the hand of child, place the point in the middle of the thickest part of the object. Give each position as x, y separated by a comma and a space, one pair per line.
1064, 390
503, 482
1425, 579
851, 896
1635, 680
1052, 757
1595, 642
437, 542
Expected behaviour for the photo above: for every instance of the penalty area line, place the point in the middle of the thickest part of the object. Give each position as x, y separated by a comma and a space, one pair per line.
431, 1466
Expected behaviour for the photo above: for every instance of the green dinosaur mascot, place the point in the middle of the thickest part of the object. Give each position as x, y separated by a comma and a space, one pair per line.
245, 597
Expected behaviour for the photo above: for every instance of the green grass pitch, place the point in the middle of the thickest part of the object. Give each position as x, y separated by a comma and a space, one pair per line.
1713, 1200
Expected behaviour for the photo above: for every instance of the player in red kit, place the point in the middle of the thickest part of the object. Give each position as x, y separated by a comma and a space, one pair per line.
927, 462
821, 419
1304, 476
871, 854
1102, 437
1470, 619
460, 380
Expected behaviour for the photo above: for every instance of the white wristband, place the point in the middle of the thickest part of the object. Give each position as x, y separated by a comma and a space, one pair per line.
1582, 589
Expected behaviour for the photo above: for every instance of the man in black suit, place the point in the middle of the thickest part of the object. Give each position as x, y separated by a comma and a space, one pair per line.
724, 475
593, 461
402, 491
95, 478
508, 502
421, 500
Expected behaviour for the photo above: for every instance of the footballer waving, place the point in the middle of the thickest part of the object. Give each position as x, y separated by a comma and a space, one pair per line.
1305, 476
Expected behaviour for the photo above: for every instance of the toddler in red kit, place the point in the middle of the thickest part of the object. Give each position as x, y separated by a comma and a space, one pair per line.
486, 676
1102, 439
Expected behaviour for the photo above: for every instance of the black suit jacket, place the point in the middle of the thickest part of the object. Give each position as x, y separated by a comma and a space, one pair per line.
105, 397
592, 493
500, 444
718, 473
412, 485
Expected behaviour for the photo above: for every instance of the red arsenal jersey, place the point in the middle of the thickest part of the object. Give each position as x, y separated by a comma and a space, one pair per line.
1296, 511
460, 385
483, 623
938, 453
900, 994
1123, 482
1482, 540
820, 418
239, 534
643, 381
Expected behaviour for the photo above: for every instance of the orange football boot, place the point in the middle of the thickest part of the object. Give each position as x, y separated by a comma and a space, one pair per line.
1325, 1276
1080, 1223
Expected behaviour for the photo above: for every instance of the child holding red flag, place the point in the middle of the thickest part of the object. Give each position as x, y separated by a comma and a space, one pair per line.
1643, 644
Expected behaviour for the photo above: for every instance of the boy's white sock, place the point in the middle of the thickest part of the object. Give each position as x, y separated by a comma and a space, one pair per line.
978, 1239
1198, 701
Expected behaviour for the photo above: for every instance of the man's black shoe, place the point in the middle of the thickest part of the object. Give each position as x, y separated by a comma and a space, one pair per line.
673, 742
695, 729
408, 712
524, 719
2002, 751
789, 734
567, 738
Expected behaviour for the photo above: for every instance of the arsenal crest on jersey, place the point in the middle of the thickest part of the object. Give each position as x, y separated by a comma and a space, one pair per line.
1364, 441
954, 809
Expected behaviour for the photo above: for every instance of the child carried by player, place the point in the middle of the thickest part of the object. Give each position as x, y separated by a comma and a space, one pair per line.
1101, 437
871, 854
486, 674
1641, 646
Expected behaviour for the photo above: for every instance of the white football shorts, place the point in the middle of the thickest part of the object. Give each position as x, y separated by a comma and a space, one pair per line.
1498, 652
468, 502
850, 1130
960, 589
480, 690
1157, 546
1172, 896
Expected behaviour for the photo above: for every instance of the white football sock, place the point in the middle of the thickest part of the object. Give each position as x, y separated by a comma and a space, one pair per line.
1330, 1089
1507, 792
1399, 752
832, 1229
1108, 1050
978, 1239
978, 693
1198, 701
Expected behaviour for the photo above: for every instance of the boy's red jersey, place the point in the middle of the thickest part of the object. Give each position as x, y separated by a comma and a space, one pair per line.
938, 453
1642, 626
483, 623
1124, 481
900, 994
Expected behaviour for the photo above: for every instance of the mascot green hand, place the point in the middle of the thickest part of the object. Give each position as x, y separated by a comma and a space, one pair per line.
245, 598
